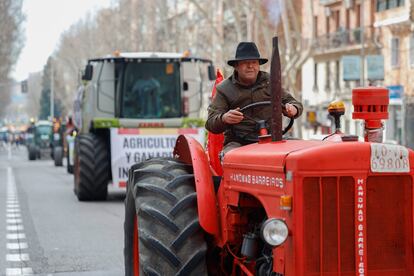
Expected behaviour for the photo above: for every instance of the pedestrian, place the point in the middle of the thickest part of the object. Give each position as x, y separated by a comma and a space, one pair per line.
245, 86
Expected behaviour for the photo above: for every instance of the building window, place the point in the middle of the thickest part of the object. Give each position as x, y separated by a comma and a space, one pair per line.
315, 27
383, 5
358, 15
327, 24
328, 78
395, 52
337, 74
315, 77
337, 18
412, 49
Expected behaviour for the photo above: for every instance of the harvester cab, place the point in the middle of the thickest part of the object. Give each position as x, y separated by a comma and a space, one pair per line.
133, 106
282, 207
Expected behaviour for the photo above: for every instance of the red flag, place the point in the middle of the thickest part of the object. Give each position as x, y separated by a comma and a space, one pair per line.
215, 141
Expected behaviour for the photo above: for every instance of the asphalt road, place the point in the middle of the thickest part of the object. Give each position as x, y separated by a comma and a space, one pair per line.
45, 230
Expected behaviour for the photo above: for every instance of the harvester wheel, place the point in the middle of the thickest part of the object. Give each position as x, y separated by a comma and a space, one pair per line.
58, 156
162, 231
91, 167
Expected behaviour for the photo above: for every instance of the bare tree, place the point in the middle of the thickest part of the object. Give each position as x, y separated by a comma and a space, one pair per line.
11, 43
208, 28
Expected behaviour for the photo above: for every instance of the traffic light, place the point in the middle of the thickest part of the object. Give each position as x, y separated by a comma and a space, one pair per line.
24, 86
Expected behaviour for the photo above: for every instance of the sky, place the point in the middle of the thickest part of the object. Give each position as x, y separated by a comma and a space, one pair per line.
45, 21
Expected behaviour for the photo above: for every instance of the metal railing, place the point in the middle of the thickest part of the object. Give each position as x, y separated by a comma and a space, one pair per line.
344, 38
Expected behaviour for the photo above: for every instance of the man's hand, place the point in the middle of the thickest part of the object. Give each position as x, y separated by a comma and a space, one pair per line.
233, 116
291, 110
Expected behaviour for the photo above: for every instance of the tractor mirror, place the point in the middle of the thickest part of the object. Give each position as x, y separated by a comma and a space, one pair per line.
87, 74
211, 72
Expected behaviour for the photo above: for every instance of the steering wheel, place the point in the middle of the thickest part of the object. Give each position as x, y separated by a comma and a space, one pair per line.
256, 104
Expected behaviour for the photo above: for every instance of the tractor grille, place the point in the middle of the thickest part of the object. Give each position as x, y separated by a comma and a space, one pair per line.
329, 225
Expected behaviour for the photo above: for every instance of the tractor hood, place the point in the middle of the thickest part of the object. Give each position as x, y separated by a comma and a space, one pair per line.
267, 156
302, 155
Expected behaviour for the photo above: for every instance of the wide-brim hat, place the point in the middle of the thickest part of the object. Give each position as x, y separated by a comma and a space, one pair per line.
247, 51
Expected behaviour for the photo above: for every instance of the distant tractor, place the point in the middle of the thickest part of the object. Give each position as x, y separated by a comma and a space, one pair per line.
133, 107
40, 139
281, 207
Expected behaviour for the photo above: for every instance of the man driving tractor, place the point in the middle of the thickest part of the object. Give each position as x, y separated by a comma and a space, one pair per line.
245, 86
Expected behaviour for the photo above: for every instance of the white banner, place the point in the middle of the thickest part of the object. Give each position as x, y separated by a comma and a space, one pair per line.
131, 146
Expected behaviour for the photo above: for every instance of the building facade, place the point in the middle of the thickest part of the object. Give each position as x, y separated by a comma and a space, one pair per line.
342, 36
393, 19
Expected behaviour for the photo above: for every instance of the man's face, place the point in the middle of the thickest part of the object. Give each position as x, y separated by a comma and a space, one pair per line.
247, 71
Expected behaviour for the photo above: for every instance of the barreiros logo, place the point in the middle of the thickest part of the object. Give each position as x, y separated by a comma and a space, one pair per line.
269, 181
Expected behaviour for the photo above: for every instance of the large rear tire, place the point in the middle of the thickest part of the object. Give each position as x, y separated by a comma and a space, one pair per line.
58, 156
91, 167
162, 231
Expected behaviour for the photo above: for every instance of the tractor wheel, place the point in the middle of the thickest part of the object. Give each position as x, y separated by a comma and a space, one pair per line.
91, 167
69, 167
32, 152
38, 153
58, 156
162, 231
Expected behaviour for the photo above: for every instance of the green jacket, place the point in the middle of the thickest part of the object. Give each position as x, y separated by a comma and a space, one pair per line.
232, 94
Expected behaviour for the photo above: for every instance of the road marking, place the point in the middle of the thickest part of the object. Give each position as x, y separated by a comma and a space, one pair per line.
15, 246
14, 221
17, 227
14, 215
15, 234
19, 271
17, 257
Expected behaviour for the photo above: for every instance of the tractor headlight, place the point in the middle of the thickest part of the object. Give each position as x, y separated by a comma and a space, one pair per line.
274, 232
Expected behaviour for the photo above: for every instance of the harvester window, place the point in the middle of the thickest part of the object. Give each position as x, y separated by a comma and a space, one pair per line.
151, 90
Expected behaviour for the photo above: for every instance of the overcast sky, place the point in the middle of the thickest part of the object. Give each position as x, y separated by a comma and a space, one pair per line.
45, 21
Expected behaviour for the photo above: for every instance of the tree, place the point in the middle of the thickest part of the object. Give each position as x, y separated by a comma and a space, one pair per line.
11, 43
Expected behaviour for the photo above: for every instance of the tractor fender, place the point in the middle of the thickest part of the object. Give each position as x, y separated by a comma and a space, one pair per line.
189, 150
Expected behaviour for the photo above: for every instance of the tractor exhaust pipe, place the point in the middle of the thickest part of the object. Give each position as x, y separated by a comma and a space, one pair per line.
276, 93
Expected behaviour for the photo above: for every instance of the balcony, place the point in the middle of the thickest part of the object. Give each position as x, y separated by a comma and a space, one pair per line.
344, 40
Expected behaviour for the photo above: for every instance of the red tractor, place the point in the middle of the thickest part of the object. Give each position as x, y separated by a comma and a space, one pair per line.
281, 207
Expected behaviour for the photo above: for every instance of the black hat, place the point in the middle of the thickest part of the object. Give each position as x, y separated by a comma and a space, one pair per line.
247, 51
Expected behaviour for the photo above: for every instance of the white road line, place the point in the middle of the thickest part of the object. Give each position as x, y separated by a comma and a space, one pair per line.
17, 257
17, 227
17, 236
15, 233
13, 215
15, 246
14, 221
19, 271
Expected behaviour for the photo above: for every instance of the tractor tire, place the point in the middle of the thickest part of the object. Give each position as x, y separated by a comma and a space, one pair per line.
58, 156
38, 153
92, 168
162, 231
32, 152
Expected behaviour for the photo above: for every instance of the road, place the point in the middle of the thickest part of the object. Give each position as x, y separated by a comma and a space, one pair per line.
45, 230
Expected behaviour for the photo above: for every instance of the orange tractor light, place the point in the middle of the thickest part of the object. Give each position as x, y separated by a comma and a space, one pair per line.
286, 202
336, 106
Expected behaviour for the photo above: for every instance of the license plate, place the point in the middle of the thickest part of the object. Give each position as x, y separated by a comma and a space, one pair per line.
389, 158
